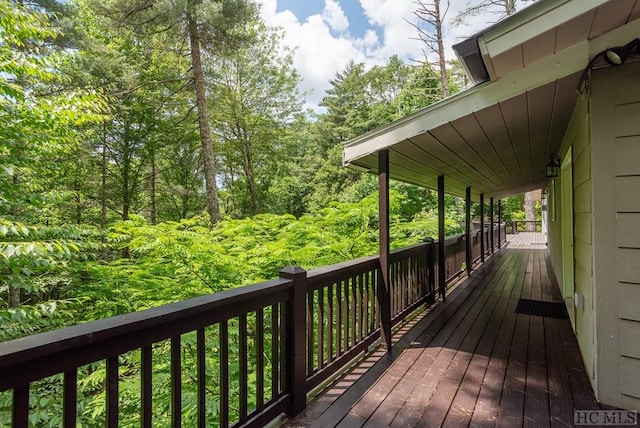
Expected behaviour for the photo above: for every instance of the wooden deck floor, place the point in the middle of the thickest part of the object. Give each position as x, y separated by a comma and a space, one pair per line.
472, 361
527, 240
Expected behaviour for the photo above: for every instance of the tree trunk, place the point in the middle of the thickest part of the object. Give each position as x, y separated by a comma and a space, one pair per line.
153, 214
442, 62
126, 176
213, 204
103, 189
251, 181
529, 211
14, 292
14, 296
78, 198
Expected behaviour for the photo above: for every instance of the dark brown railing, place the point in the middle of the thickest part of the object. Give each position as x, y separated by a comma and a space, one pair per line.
515, 226
239, 357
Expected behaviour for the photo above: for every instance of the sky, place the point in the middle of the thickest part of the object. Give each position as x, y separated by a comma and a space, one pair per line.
327, 34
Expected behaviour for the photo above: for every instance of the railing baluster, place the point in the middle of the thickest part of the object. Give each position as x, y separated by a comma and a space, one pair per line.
176, 383
367, 303
310, 330
284, 315
259, 360
243, 369
321, 328
112, 392
353, 311
360, 306
339, 323
376, 307
21, 407
202, 378
146, 385
330, 324
70, 398
274, 352
392, 287
404, 291
224, 374
345, 310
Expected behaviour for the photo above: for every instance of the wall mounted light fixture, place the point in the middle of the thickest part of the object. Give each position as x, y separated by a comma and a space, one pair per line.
553, 166
619, 54
613, 56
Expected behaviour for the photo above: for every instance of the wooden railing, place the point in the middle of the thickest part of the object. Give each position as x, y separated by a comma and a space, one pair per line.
236, 358
515, 226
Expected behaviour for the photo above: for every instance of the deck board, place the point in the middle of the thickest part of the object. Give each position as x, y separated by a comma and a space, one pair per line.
471, 361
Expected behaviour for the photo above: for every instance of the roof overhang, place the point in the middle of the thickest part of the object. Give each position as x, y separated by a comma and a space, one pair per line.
497, 136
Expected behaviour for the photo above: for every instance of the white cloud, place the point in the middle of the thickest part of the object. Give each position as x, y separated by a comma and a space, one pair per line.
319, 53
324, 45
335, 17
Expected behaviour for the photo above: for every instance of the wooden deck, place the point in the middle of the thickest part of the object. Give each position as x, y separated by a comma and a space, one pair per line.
472, 361
527, 240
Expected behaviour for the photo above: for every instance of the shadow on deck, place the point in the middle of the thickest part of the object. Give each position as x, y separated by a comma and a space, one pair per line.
470, 361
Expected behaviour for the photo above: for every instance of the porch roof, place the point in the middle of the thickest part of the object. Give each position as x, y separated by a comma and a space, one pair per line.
498, 135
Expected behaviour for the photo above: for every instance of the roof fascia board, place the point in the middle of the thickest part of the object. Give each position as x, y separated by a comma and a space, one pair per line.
561, 64
616, 37
530, 23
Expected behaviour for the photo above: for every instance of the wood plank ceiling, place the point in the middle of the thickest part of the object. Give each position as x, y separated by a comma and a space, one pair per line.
501, 149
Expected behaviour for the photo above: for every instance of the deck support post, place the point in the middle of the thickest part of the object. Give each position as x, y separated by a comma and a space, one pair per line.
296, 339
491, 240
442, 274
384, 287
482, 232
469, 258
499, 223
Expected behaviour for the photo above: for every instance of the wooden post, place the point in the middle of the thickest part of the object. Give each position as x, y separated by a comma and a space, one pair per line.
482, 235
442, 274
491, 224
499, 223
295, 341
431, 269
469, 259
384, 287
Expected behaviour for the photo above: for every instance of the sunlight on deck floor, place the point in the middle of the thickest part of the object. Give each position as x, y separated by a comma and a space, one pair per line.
472, 360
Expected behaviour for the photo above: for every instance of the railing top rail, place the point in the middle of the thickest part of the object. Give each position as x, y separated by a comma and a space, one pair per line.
198, 311
320, 273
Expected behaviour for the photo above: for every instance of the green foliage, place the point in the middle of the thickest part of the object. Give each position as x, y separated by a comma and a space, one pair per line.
35, 259
40, 119
513, 208
138, 174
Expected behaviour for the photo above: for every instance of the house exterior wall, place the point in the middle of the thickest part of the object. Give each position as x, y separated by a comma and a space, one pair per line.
604, 138
615, 157
577, 144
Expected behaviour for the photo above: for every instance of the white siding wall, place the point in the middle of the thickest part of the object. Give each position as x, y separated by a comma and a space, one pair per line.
615, 127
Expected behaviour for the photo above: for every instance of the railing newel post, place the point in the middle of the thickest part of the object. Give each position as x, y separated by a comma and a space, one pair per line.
296, 339
431, 269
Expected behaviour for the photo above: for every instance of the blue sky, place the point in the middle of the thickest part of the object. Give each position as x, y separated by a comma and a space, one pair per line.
352, 9
327, 34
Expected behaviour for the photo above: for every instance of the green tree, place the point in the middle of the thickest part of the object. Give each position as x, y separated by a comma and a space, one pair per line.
210, 27
256, 102
40, 127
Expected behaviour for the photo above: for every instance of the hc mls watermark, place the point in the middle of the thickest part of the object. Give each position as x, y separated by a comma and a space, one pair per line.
605, 417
